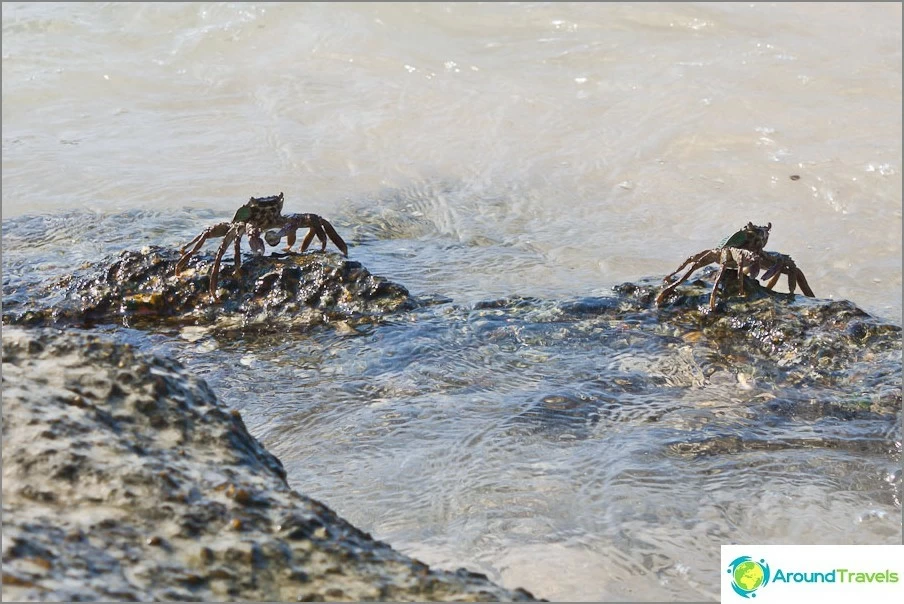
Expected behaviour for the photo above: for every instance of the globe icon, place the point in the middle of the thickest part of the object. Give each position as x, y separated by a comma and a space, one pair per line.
748, 575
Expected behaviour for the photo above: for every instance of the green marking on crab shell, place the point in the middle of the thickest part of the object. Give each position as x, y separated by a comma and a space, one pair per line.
242, 214
736, 240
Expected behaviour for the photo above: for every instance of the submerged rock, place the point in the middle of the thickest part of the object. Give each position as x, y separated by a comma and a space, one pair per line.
125, 479
776, 360
271, 292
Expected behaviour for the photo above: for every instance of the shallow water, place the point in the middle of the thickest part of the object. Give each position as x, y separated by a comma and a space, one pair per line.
475, 151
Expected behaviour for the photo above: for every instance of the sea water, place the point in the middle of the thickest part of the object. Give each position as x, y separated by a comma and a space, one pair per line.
474, 151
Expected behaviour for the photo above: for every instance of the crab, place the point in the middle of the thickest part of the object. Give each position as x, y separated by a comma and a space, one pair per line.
742, 252
251, 219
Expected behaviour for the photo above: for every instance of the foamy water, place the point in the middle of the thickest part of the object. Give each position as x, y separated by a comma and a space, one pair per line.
480, 150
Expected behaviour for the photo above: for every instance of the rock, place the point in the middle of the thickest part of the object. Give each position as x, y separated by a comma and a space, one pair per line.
125, 479
277, 291
788, 338
792, 340
800, 359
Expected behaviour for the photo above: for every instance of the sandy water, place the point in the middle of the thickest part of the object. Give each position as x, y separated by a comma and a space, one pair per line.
475, 151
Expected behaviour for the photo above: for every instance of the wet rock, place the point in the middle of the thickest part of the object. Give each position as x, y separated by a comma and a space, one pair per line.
277, 291
782, 336
125, 479
777, 360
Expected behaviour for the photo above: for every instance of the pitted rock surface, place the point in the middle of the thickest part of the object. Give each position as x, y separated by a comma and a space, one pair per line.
125, 479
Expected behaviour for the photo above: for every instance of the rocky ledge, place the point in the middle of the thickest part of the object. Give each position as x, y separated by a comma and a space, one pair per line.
276, 291
783, 337
125, 479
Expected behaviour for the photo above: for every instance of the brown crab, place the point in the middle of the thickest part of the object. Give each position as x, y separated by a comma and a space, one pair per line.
742, 252
251, 219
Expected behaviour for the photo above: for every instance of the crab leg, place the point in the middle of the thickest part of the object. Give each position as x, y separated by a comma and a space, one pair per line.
238, 255
782, 264
308, 238
792, 281
712, 296
779, 267
773, 273
804, 286
334, 236
290, 241
215, 271
293, 222
218, 230
318, 227
696, 259
315, 229
699, 261
323, 229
